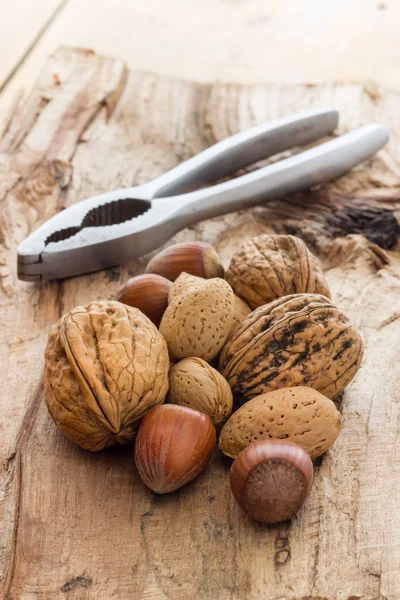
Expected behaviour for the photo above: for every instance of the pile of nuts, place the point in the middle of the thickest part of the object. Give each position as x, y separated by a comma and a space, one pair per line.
185, 356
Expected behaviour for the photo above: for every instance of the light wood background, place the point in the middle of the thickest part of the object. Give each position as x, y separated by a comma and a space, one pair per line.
244, 41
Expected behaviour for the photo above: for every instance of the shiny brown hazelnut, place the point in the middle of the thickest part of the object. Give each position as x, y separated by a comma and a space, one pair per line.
270, 480
195, 258
148, 293
173, 446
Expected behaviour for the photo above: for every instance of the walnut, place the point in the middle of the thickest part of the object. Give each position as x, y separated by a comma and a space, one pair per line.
106, 365
270, 266
298, 340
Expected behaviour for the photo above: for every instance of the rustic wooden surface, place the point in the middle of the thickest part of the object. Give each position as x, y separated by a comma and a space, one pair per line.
251, 41
82, 526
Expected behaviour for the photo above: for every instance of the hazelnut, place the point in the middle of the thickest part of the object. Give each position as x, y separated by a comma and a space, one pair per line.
270, 480
173, 446
148, 293
195, 258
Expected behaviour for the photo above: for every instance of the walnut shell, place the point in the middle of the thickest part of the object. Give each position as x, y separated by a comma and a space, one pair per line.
199, 320
298, 414
270, 266
194, 383
106, 365
301, 339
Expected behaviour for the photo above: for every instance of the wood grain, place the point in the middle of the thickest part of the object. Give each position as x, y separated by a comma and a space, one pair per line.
82, 526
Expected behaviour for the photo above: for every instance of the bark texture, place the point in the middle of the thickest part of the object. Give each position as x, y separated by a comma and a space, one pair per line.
82, 526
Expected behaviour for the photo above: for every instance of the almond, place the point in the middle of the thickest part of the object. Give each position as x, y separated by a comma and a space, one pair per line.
183, 283
194, 383
297, 414
198, 321
240, 311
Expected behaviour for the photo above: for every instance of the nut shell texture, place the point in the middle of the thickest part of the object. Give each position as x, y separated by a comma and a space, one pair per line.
240, 311
173, 445
297, 414
296, 340
270, 266
183, 283
106, 365
198, 321
270, 480
194, 383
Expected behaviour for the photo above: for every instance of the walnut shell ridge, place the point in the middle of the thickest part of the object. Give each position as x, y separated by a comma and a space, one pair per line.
106, 365
270, 266
298, 340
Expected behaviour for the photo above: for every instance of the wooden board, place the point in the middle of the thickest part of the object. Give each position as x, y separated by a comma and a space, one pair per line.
82, 526
255, 41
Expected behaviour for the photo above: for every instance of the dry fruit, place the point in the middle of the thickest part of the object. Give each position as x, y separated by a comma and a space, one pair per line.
173, 445
270, 266
296, 340
185, 281
148, 293
198, 321
106, 365
195, 258
297, 414
194, 383
240, 311
271, 480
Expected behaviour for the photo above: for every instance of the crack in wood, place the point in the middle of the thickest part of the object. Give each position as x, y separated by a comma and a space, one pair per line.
21, 442
81, 581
